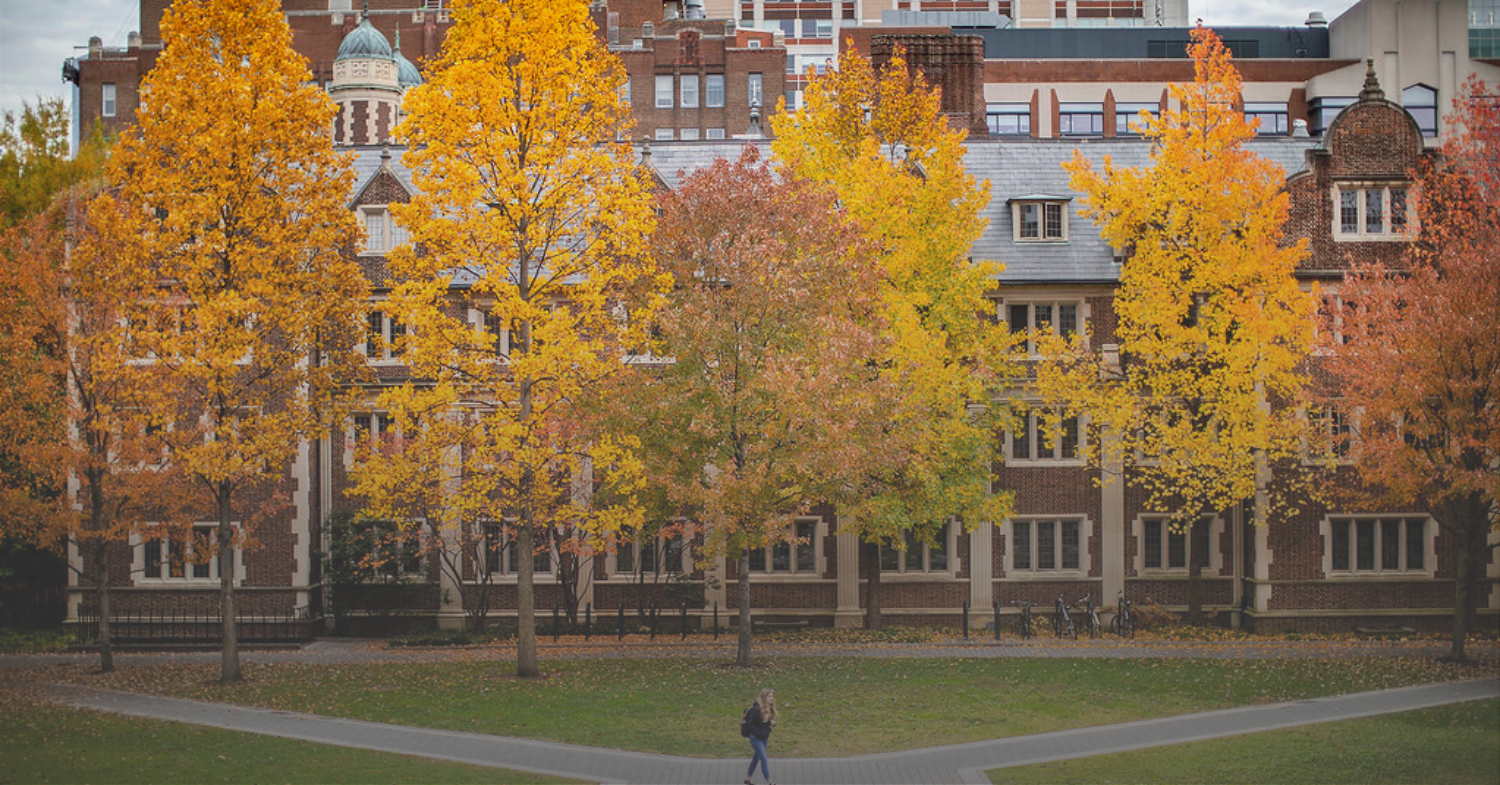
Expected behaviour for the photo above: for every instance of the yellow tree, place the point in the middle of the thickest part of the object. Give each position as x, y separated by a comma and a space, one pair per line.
524, 277
1212, 324
232, 235
879, 140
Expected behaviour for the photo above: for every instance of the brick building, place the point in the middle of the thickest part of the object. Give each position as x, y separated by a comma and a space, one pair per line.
1070, 535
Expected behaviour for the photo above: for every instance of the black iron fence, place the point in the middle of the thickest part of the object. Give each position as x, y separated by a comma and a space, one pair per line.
188, 629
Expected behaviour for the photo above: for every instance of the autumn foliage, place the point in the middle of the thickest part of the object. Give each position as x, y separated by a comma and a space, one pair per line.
878, 139
1418, 366
763, 410
1212, 325
229, 232
522, 287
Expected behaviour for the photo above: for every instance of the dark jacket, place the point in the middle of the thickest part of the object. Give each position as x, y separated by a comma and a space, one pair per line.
759, 728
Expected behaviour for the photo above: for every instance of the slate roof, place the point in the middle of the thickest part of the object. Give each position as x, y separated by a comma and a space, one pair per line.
367, 163
1014, 169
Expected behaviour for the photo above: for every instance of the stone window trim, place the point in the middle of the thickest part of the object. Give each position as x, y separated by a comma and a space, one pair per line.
914, 564
1427, 536
207, 573
1339, 425
367, 424
485, 322
382, 233
1037, 450
795, 573
507, 573
388, 329
1217, 531
1381, 211
612, 561
1039, 218
1048, 312
1033, 573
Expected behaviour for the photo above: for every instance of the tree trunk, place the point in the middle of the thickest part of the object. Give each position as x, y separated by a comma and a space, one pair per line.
742, 655
230, 670
873, 620
526, 660
1195, 574
106, 646
101, 569
1467, 518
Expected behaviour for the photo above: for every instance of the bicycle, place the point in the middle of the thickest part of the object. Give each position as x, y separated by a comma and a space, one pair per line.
1089, 619
1023, 625
1062, 621
1123, 624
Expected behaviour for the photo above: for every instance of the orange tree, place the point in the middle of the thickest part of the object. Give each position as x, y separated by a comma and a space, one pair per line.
1420, 363
1212, 325
528, 197
231, 229
71, 409
879, 140
761, 411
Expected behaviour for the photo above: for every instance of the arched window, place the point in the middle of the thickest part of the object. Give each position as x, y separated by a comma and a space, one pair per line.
1421, 101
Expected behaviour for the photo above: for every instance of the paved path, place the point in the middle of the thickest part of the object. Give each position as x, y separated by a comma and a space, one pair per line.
959, 763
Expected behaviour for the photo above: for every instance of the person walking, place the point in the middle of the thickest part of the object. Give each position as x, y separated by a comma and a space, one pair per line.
756, 725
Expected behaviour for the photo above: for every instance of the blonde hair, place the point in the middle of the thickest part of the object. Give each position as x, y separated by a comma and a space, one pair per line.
767, 705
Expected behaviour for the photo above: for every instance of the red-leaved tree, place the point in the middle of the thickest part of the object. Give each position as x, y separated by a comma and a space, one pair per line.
1420, 361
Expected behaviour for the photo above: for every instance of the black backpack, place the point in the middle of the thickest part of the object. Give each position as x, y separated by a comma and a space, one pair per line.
745, 722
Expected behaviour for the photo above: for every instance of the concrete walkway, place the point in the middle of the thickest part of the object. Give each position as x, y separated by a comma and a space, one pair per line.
959, 763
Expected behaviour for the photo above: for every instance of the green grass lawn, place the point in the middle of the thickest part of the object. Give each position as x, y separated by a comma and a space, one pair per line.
51, 744
1449, 745
830, 707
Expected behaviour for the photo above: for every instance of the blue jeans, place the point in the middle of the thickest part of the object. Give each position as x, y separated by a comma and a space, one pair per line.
759, 747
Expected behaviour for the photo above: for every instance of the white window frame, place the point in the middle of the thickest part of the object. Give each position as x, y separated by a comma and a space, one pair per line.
755, 85
819, 558
1044, 233
914, 562
687, 134
713, 91
687, 86
138, 545
664, 91
1216, 533
480, 320
388, 236
1033, 421
666, 134
1362, 232
1034, 572
1354, 572
625, 91
713, 133
108, 99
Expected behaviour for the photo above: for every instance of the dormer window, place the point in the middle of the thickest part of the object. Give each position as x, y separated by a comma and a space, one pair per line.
1366, 211
382, 233
1040, 218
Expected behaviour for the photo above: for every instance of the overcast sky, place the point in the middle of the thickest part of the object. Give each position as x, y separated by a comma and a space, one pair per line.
37, 35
